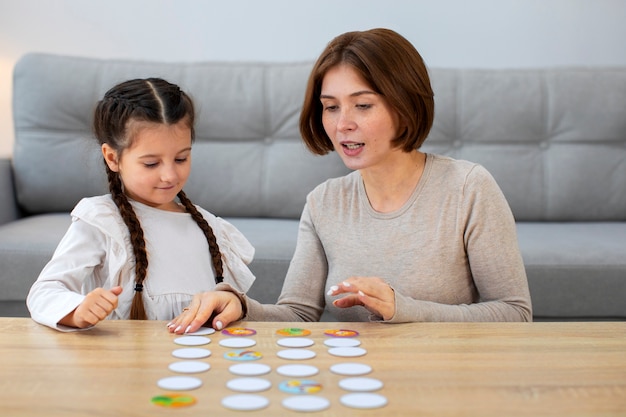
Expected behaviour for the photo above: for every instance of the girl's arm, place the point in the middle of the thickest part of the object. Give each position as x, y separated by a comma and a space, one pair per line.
76, 264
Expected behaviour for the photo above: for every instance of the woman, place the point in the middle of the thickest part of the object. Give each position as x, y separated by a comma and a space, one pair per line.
407, 236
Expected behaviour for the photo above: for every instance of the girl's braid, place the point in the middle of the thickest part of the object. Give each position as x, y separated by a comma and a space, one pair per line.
137, 310
214, 248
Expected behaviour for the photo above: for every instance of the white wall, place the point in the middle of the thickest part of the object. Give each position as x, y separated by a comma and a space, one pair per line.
448, 33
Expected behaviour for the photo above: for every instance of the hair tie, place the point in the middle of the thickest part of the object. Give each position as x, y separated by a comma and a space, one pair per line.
139, 287
219, 279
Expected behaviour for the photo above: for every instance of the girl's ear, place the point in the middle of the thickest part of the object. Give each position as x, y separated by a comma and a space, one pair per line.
110, 157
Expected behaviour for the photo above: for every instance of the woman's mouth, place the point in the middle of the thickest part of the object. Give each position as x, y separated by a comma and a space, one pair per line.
352, 145
352, 149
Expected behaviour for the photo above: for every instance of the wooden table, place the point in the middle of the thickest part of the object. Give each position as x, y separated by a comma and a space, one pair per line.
430, 369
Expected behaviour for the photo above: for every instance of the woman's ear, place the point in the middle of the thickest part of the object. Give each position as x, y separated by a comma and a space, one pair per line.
110, 157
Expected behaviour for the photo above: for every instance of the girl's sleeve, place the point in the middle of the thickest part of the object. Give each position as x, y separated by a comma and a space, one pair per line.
59, 288
237, 253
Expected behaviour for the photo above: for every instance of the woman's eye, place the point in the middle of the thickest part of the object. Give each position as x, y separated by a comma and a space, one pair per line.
181, 160
363, 106
150, 165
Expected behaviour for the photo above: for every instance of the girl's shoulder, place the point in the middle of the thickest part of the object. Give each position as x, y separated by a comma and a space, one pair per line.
102, 214
92, 208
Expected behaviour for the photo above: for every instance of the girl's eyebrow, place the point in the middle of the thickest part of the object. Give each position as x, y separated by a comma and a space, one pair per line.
155, 155
355, 94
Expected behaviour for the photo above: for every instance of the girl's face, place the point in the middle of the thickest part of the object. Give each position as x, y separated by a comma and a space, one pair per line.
156, 165
359, 122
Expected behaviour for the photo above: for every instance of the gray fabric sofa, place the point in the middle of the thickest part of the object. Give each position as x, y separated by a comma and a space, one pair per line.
554, 139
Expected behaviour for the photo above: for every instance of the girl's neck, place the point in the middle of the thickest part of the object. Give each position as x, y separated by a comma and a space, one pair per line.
173, 206
389, 187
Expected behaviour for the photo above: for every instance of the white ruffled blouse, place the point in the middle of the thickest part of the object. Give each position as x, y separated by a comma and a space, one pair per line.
96, 252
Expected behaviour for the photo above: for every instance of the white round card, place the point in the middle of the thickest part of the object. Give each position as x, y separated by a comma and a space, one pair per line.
192, 340
191, 353
202, 331
363, 400
297, 371
347, 351
296, 354
189, 367
342, 342
360, 384
349, 368
250, 369
237, 342
249, 384
306, 403
179, 383
295, 342
245, 402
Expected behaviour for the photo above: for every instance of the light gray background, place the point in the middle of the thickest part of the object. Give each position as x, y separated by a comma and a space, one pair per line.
448, 33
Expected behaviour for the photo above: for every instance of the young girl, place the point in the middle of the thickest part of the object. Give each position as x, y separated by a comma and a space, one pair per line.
144, 250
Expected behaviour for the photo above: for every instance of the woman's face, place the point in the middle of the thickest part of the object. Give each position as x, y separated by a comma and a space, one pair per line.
157, 164
359, 122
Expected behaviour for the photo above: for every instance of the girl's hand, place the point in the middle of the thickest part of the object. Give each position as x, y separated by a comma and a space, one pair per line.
219, 307
373, 293
96, 306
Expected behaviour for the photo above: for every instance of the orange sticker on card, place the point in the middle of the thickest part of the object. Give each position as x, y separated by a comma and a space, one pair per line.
238, 331
341, 333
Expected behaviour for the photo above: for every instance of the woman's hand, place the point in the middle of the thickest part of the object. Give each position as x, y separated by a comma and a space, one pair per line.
373, 293
96, 306
223, 307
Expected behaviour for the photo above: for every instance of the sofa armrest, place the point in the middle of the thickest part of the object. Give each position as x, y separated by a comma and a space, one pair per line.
9, 210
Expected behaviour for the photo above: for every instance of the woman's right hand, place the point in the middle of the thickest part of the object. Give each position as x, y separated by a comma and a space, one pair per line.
219, 307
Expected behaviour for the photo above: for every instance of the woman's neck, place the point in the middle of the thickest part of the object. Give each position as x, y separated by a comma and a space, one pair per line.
389, 187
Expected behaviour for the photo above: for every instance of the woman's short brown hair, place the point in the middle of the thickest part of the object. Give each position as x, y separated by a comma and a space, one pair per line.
392, 67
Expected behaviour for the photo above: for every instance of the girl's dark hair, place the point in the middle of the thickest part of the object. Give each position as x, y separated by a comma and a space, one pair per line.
145, 100
392, 67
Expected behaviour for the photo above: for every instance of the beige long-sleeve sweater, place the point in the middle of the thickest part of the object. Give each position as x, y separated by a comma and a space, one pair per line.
450, 253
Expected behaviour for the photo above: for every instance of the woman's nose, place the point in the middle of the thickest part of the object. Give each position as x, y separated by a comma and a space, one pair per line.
345, 122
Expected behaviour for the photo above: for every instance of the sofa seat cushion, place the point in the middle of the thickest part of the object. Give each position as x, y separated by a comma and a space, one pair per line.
575, 270
26, 246
274, 241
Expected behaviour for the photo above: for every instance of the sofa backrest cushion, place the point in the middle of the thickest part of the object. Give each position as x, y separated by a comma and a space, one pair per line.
554, 139
248, 159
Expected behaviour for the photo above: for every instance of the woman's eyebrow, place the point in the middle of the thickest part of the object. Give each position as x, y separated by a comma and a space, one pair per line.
355, 94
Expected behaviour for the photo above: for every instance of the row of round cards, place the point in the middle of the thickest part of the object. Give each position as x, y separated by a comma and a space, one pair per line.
304, 392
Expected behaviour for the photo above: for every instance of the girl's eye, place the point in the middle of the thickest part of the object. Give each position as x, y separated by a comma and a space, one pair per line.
150, 165
181, 160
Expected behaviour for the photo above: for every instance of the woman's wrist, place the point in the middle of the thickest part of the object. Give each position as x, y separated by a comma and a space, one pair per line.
222, 286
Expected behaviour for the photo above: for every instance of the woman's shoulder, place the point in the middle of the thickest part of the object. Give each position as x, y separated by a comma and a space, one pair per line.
333, 186
451, 173
448, 166
449, 162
